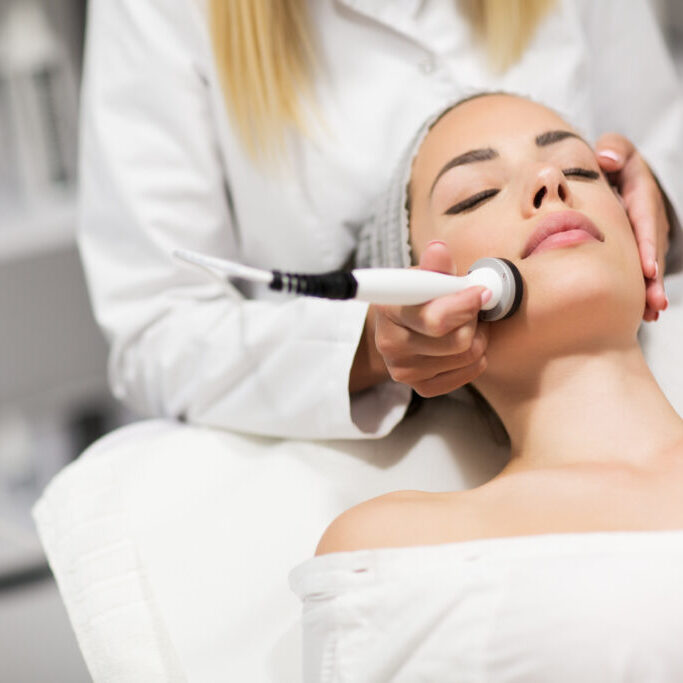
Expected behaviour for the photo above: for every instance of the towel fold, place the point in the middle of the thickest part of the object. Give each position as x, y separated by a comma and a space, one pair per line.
601, 607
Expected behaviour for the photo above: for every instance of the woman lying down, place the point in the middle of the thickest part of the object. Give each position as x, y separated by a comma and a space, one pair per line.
568, 565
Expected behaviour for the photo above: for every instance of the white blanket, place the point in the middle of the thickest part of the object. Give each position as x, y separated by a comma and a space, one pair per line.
591, 607
171, 544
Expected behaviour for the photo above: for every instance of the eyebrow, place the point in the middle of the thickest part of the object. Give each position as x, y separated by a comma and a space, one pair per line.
552, 136
467, 158
486, 154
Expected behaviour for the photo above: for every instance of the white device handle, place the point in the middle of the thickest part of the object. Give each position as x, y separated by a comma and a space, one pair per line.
408, 287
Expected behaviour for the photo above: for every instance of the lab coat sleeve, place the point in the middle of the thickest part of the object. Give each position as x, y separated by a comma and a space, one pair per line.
152, 181
637, 94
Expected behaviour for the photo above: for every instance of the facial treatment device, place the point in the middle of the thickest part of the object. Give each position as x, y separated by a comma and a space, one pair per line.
388, 286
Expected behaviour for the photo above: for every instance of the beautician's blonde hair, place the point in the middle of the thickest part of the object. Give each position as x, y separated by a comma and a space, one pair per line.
505, 27
266, 58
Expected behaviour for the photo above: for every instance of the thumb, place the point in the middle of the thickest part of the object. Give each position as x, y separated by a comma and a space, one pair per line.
613, 151
437, 257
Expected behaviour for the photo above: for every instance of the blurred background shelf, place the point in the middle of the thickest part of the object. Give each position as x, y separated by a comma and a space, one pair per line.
54, 396
46, 227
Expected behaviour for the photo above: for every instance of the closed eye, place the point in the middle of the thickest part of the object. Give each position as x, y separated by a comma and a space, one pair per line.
472, 201
480, 197
581, 173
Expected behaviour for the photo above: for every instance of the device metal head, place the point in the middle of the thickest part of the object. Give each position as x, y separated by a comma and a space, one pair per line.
513, 288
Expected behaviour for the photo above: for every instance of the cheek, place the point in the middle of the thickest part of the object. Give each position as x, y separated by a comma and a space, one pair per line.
466, 251
609, 214
422, 231
468, 246
461, 246
467, 242
623, 238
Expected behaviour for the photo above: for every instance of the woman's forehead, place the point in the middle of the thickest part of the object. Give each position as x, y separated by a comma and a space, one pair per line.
489, 121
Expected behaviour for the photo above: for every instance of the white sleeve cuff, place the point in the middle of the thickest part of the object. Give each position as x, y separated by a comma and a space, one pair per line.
375, 411
378, 410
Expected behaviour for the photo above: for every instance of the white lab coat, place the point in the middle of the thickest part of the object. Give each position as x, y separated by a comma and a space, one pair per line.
162, 167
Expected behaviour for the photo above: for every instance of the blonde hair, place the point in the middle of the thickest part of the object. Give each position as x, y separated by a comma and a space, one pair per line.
266, 59
505, 27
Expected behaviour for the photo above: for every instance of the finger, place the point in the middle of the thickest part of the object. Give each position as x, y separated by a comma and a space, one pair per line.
647, 250
402, 346
613, 151
655, 296
419, 369
450, 381
431, 367
643, 204
437, 257
421, 346
440, 316
649, 315
655, 299
647, 212
646, 224
650, 309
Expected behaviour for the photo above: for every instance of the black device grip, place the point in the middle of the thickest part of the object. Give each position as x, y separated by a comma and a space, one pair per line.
337, 284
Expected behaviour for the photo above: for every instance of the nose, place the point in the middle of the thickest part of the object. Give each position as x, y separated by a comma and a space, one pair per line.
547, 185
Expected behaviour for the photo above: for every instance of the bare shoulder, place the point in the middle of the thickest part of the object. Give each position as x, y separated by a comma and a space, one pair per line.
397, 519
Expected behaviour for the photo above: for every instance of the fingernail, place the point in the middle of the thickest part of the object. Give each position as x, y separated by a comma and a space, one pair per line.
610, 154
651, 267
429, 244
485, 296
656, 270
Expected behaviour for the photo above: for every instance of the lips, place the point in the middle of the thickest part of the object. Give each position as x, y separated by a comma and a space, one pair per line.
561, 221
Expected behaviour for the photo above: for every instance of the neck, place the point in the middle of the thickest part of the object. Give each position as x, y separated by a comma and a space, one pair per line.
601, 408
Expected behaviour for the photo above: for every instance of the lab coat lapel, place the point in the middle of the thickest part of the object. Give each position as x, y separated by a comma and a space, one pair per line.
398, 15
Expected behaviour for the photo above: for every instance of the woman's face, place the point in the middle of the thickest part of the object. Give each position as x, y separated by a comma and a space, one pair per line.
524, 166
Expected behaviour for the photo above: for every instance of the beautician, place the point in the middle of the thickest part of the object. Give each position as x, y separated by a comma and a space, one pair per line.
189, 144
261, 131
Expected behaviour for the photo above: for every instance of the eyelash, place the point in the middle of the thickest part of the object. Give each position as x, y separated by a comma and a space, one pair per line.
472, 201
478, 198
582, 172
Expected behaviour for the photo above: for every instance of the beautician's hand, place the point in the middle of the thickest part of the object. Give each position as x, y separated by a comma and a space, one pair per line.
646, 209
438, 346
